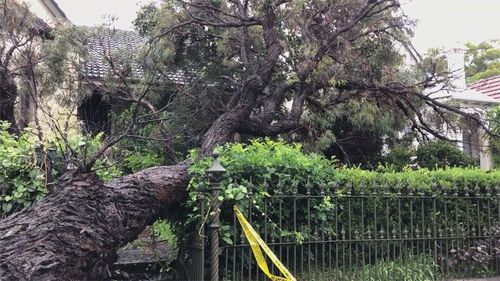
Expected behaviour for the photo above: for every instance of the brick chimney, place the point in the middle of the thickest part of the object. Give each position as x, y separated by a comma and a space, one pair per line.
456, 66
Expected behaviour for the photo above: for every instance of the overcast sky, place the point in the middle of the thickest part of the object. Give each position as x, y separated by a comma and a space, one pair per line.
441, 23
444, 23
92, 12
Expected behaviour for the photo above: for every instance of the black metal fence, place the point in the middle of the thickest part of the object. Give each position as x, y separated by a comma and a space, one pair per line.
398, 233
357, 231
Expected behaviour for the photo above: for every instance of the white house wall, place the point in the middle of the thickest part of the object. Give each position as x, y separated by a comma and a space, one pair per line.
37, 8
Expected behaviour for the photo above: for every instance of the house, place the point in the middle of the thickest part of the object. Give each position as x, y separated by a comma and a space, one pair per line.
95, 109
474, 99
124, 46
92, 114
21, 33
45, 13
46, 10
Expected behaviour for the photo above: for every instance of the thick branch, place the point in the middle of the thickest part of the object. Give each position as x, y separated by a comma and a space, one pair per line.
74, 233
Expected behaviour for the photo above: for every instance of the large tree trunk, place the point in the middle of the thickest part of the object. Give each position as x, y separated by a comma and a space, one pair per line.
8, 95
74, 233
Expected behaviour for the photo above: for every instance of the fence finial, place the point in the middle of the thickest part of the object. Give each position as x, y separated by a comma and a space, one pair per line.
477, 189
216, 169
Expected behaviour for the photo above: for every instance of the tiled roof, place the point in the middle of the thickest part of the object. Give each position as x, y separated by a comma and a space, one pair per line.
123, 46
489, 86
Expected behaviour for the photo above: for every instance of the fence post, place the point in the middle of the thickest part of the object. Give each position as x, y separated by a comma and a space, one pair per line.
215, 175
198, 248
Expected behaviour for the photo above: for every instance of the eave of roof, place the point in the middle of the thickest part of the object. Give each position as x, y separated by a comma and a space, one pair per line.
474, 97
466, 96
54, 9
37, 25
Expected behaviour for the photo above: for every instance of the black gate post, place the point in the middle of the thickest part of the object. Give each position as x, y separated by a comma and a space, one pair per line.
215, 175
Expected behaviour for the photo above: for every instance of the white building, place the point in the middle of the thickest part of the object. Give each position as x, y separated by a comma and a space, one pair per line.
46, 10
470, 136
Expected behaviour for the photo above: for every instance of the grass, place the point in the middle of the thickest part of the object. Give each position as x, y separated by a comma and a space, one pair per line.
415, 268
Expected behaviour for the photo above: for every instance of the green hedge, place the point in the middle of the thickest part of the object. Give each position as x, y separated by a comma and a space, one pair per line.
274, 163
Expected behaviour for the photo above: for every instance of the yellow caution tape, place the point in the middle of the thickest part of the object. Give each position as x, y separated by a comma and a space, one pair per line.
256, 243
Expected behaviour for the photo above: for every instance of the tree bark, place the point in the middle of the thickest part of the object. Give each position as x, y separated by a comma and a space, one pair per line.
223, 129
8, 95
74, 233
24, 110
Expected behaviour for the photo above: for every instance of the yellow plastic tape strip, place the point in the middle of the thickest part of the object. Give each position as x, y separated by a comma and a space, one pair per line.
256, 243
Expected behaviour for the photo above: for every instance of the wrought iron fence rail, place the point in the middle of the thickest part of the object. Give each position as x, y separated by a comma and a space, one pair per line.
355, 233
456, 238
384, 196
362, 230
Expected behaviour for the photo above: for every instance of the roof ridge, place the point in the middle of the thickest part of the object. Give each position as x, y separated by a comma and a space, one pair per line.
92, 28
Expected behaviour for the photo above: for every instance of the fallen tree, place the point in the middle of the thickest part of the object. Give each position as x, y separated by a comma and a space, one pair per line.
74, 234
270, 54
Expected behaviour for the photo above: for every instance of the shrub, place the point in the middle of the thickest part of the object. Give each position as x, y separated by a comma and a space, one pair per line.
433, 155
441, 154
261, 164
78, 148
139, 159
399, 158
22, 180
163, 230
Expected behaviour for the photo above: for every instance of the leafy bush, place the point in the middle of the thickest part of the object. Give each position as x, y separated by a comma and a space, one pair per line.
79, 148
399, 158
433, 155
260, 164
441, 154
119, 160
163, 229
140, 159
22, 180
